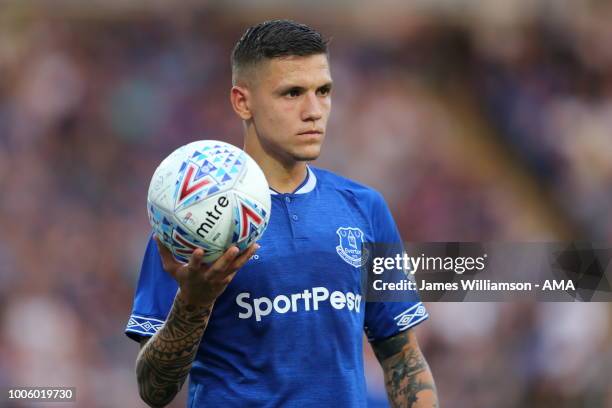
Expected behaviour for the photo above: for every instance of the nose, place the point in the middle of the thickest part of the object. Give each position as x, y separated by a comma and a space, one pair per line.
311, 109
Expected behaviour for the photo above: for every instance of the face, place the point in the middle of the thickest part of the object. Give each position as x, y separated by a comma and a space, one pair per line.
290, 102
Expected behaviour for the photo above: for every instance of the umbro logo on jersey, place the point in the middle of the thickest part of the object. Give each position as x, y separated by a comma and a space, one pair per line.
351, 245
410, 316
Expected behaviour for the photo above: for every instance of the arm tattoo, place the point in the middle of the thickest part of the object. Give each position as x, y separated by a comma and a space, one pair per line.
407, 374
165, 361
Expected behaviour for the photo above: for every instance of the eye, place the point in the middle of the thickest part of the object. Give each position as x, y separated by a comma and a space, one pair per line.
293, 93
324, 91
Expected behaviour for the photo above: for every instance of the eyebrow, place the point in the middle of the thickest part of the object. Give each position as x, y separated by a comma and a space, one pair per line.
284, 89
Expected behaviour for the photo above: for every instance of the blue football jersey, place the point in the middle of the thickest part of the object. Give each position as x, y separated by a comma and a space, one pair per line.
288, 330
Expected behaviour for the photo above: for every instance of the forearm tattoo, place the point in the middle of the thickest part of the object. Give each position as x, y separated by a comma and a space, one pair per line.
165, 361
406, 372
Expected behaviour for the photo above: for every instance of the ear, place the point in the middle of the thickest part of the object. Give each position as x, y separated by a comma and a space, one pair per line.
239, 97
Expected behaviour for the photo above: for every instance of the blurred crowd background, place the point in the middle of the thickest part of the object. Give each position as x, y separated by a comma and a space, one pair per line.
477, 120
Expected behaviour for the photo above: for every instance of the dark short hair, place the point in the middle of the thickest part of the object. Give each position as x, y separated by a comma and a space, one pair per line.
275, 39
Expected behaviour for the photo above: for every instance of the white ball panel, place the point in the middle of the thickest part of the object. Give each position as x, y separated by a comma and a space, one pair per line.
210, 219
250, 183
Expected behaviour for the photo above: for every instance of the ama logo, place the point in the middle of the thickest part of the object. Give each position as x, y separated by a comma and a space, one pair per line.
350, 246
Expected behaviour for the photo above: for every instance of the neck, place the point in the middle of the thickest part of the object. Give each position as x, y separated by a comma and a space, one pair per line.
281, 178
284, 176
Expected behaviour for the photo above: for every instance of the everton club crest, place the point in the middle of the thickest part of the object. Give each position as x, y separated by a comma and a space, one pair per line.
350, 247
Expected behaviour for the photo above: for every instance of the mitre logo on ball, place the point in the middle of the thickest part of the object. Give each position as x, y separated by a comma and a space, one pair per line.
211, 195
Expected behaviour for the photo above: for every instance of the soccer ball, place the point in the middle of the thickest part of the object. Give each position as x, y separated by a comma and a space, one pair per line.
210, 195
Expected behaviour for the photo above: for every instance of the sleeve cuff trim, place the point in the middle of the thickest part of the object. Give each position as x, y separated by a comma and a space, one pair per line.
143, 325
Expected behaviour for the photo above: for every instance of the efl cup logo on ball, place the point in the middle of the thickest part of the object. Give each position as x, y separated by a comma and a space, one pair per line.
210, 195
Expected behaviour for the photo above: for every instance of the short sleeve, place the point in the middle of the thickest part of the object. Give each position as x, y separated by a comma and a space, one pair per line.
154, 296
386, 319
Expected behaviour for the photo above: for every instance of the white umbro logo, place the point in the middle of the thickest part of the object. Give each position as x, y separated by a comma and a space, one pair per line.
410, 316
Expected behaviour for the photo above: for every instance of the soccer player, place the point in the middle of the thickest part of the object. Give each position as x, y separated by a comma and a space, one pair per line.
286, 331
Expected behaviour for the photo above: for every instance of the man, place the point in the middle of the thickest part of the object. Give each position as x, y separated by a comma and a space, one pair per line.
287, 330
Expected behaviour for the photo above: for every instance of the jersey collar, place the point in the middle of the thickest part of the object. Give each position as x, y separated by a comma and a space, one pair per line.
307, 185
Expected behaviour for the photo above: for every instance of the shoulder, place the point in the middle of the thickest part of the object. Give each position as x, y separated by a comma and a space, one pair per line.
329, 181
364, 199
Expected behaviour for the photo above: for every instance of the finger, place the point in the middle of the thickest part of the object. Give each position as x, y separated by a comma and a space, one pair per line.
228, 279
238, 263
168, 262
224, 261
243, 258
195, 261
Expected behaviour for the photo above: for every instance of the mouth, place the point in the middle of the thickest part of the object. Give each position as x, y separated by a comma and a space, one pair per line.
311, 133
